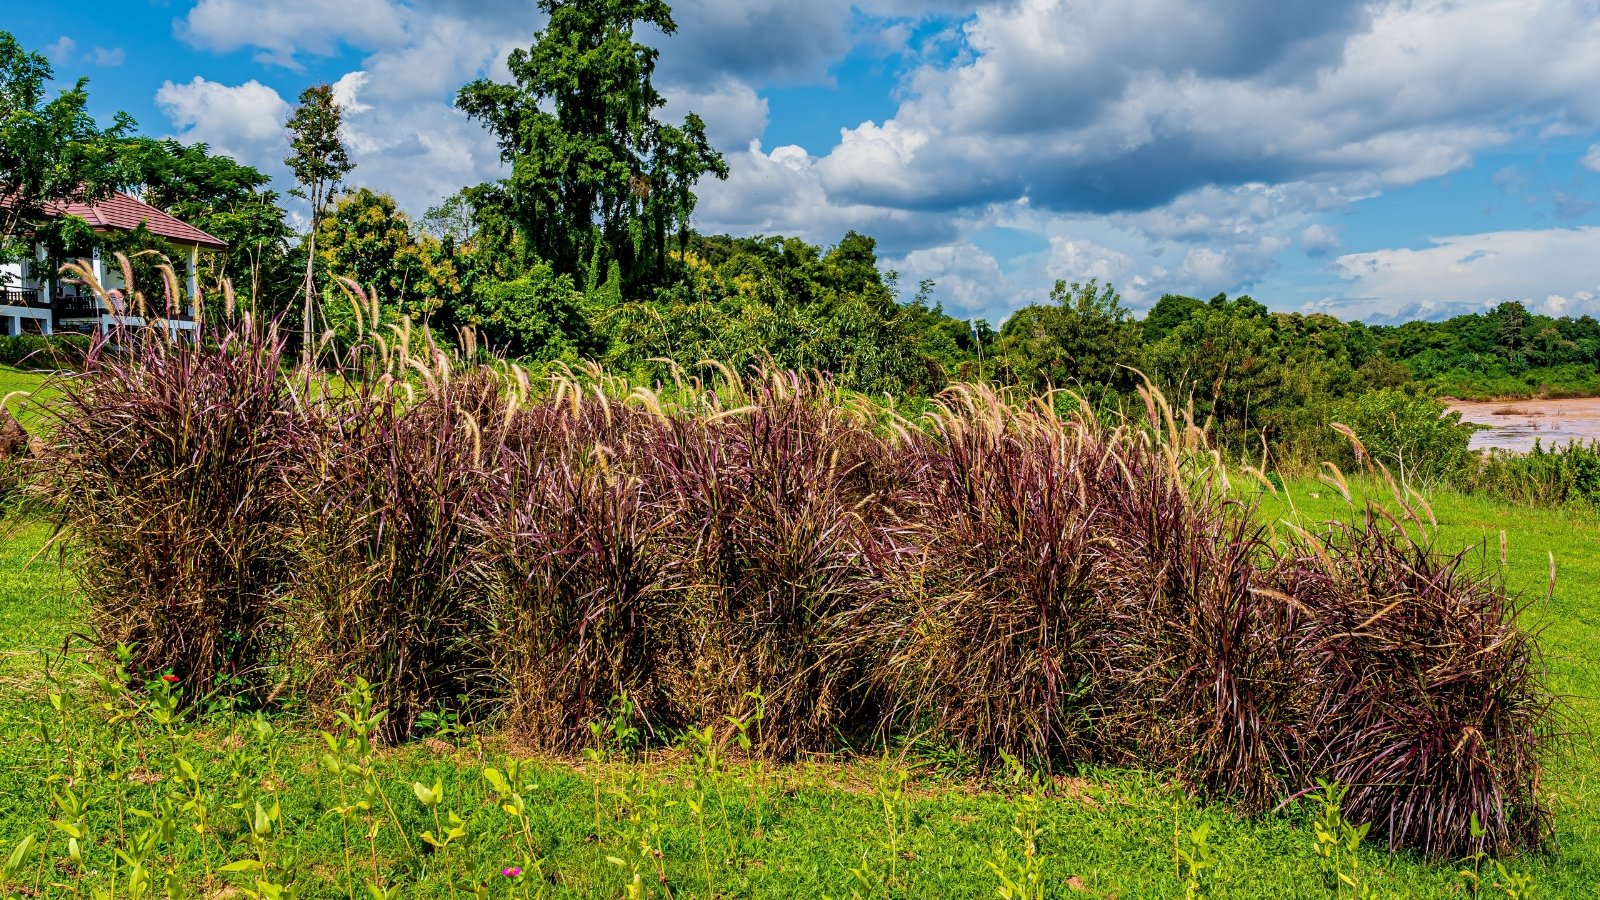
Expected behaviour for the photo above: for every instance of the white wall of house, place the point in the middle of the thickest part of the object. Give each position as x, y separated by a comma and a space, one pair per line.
33, 275
16, 318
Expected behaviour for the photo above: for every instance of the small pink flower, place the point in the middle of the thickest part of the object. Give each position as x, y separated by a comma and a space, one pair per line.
511, 871
169, 678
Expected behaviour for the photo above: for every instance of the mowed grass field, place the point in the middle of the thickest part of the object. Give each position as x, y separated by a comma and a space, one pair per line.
799, 830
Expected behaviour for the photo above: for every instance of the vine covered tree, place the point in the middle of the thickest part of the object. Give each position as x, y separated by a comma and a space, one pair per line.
319, 163
596, 178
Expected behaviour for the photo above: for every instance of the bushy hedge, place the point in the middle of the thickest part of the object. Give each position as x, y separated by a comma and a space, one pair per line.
1416, 436
1002, 577
1562, 475
36, 351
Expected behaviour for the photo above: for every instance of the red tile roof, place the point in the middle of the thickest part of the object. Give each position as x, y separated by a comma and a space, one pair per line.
121, 212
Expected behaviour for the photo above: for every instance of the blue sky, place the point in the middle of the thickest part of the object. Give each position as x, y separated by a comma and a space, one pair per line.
1378, 160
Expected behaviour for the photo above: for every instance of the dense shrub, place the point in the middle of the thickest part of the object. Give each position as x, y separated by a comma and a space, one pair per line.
1561, 475
1210, 645
35, 351
1416, 436
1008, 591
571, 560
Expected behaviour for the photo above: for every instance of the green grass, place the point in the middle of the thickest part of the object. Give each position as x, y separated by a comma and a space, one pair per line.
18, 381
799, 830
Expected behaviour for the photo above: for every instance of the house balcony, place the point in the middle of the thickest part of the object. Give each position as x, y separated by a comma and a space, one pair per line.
77, 309
26, 298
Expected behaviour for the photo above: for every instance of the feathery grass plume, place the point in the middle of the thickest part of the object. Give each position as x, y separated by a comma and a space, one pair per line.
1430, 700
1331, 475
382, 544
172, 293
773, 503
163, 459
83, 271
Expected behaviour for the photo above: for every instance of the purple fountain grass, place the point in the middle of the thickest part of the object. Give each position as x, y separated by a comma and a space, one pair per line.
1001, 576
163, 458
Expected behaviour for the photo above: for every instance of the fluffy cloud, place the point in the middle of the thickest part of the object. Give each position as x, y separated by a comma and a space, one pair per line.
968, 279
1161, 144
1555, 270
782, 192
1591, 160
1078, 260
283, 28
244, 121
760, 41
1319, 240
1141, 102
735, 115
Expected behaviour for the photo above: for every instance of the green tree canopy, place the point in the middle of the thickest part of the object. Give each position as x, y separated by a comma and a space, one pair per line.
232, 201
595, 176
1226, 361
1083, 339
51, 150
367, 238
537, 316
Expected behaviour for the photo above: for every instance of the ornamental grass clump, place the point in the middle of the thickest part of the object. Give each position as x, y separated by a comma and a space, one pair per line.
1429, 699
1006, 595
770, 561
383, 551
161, 460
774, 507
568, 536
1203, 648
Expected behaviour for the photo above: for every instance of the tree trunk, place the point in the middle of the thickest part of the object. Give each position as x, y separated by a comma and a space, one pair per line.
305, 328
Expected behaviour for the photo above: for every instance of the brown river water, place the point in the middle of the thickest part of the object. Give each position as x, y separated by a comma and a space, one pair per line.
1515, 424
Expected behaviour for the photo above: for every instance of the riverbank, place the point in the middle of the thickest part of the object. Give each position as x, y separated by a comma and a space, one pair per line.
1515, 425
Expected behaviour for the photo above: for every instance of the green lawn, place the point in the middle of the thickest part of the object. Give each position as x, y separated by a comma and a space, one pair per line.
797, 831
17, 381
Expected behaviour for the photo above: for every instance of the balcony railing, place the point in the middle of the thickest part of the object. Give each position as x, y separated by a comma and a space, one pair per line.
26, 297
88, 306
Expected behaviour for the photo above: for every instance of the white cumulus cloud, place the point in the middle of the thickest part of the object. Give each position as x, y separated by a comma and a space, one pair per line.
1554, 269
245, 121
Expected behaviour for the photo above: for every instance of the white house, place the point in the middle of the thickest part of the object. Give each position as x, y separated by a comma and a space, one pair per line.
37, 299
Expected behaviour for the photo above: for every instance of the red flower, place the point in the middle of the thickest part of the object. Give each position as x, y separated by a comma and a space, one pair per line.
169, 678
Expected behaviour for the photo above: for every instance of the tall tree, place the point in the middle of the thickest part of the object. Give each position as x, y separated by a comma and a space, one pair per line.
595, 177
231, 201
51, 151
367, 238
1083, 339
319, 162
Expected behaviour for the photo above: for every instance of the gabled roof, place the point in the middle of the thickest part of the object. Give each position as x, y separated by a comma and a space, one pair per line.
120, 212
